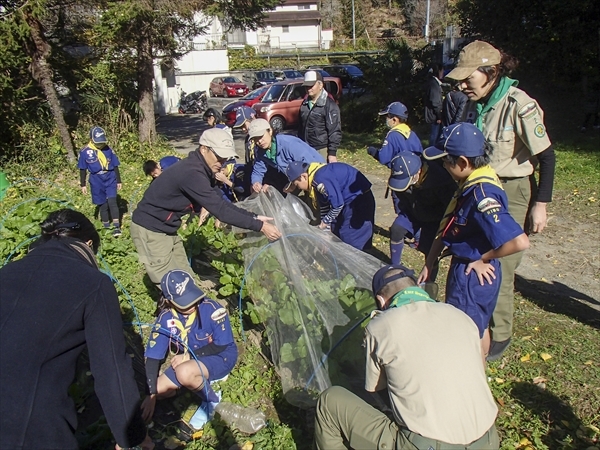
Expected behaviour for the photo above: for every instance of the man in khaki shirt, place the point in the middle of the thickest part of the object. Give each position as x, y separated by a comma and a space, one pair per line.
427, 355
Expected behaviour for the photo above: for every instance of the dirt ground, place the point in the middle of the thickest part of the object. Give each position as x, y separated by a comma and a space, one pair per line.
560, 271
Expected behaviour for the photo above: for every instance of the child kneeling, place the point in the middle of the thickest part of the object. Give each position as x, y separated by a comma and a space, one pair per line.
196, 330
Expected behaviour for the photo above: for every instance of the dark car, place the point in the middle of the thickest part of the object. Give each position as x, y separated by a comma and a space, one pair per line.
253, 97
323, 73
291, 74
280, 105
352, 77
266, 77
227, 87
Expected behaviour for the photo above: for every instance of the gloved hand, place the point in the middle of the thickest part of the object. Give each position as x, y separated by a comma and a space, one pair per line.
372, 151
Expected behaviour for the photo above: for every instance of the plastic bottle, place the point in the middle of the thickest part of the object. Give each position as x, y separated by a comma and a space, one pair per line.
247, 420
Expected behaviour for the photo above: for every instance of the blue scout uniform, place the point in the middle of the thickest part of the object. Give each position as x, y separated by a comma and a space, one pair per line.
101, 165
346, 202
239, 175
283, 151
168, 161
422, 206
209, 325
478, 223
399, 139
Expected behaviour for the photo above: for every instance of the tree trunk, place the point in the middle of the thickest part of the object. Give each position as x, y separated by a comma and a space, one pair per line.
42, 73
147, 124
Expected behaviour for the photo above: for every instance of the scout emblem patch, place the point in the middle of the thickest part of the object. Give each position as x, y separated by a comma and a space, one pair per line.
539, 130
218, 314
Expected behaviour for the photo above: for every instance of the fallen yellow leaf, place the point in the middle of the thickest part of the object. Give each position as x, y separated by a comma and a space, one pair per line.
526, 338
538, 380
525, 358
537, 328
524, 441
499, 380
589, 363
248, 445
545, 356
198, 434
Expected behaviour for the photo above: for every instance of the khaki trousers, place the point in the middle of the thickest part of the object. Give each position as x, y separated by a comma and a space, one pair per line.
344, 421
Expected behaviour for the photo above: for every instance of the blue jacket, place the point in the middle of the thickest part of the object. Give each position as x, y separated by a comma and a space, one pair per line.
481, 222
395, 143
88, 160
289, 149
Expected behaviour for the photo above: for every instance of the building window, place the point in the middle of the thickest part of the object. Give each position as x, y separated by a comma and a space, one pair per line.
300, 7
285, 28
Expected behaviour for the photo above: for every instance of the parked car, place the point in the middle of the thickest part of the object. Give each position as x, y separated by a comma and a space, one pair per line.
227, 87
291, 74
247, 100
350, 75
281, 103
266, 77
319, 69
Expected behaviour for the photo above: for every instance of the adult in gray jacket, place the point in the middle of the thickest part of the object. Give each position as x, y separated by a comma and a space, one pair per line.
319, 121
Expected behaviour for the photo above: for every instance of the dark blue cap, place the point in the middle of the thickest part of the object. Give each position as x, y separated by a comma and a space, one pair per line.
295, 169
459, 139
404, 167
242, 114
98, 136
178, 287
380, 280
395, 109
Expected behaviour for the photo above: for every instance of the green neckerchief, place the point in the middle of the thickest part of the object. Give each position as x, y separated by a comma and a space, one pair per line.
410, 295
482, 108
310, 104
271, 153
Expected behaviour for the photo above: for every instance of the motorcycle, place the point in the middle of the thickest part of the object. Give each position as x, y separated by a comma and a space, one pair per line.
193, 103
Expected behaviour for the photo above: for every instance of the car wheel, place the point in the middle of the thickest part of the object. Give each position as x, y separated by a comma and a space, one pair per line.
277, 123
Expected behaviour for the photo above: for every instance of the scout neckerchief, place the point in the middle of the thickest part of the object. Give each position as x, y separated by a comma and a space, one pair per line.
483, 174
401, 128
410, 295
271, 152
229, 168
312, 192
482, 108
184, 329
100, 155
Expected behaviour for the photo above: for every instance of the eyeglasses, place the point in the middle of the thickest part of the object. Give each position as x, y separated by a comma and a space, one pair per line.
221, 160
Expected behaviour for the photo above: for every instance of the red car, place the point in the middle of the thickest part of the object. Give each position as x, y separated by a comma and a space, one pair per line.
227, 87
253, 97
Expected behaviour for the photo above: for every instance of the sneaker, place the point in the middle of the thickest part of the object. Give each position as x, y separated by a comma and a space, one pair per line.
117, 232
497, 349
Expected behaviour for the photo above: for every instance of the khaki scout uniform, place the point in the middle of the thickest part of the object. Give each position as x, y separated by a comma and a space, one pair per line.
452, 409
515, 129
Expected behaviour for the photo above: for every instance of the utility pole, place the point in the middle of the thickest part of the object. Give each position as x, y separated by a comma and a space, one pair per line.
354, 26
427, 22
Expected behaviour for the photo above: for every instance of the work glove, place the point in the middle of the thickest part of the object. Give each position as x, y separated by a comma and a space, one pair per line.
372, 151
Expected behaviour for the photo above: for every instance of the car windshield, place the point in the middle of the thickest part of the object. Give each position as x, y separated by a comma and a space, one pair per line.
292, 74
231, 80
273, 93
266, 75
255, 93
353, 70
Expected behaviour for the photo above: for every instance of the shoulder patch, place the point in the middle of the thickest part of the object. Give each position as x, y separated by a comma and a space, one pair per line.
488, 203
539, 130
528, 111
321, 189
218, 314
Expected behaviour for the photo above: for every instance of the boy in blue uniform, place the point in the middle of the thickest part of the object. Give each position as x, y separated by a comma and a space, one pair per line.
344, 196
234, 181
400, 139
103, 164
422, 192
477, 228
154, 169
189, 322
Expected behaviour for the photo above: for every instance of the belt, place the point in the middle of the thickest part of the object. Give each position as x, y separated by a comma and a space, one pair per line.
507, 179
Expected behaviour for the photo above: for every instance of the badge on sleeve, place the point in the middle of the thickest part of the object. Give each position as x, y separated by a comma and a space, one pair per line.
539, 130
321, 189
171, 323
488, 203
218, 314
528, 111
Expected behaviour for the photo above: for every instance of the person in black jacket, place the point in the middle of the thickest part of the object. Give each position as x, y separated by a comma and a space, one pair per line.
319, 118
55, 302
453, 106
183, 189
433, 102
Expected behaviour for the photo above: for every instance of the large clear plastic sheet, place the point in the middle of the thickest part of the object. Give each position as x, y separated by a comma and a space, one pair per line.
312, 292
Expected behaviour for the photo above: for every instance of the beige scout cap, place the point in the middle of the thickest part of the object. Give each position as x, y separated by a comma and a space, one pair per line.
220, 141
258, 127
472, 57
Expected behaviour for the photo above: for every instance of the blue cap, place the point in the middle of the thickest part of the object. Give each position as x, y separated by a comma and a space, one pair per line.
242, 114
98, 136
380, 279
295, 169
404, 167
178, 287
459, 139
395, 109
